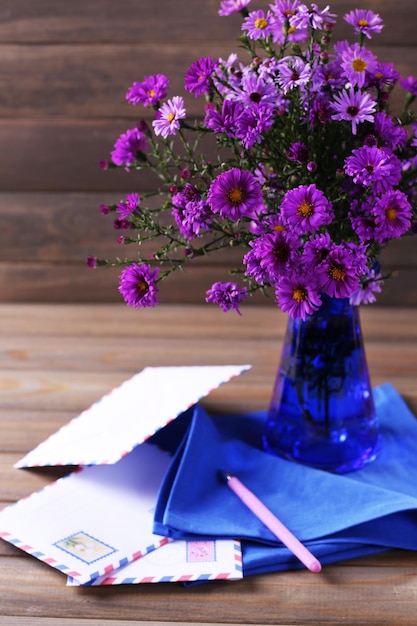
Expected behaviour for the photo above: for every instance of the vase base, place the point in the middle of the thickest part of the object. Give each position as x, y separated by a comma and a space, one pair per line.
338, 458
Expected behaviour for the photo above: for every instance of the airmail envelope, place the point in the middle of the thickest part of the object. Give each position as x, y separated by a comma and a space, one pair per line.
100, 518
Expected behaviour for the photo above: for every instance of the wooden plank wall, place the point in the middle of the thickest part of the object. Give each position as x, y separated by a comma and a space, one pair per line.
65, 67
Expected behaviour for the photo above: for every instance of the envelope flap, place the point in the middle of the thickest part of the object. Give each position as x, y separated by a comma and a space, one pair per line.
129, 415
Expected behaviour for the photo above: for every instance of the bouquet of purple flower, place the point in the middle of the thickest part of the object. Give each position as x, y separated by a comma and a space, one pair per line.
308, 172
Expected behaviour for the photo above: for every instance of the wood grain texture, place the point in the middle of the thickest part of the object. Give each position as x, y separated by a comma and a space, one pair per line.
64, 73
56, 359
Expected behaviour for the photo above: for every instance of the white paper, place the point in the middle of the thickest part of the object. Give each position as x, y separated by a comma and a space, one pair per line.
129, 415
93, 521
180, 561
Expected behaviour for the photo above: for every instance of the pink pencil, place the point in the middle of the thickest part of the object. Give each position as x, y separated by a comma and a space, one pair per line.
268, 518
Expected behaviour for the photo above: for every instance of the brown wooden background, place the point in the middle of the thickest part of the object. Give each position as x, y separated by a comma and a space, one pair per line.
64, 70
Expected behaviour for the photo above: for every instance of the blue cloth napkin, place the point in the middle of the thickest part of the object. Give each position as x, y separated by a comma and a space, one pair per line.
336, 516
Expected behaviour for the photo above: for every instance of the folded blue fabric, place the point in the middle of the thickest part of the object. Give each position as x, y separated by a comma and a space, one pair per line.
336, 516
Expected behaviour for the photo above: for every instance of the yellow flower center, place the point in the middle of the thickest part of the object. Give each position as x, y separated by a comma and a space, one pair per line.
278, 228
151, 93
363, 23
300, 295
291, 30
305, 209
235, 195
261, 23
391, 214
359, 65
337, 273
170, 117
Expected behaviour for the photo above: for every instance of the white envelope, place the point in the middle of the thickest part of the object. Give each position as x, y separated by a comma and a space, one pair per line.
100, 518
129, 415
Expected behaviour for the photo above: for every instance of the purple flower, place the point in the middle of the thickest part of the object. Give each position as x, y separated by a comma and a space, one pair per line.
227, 295
235, 194
150, 91
392, 215
294, 73
338, 274
137, 284
392, 135
353, 106
253, 123
358, 63
371, 284
316, 249
227, 120
256, 90
227, 7
127, 147
363, 220
312, 17
168, 116
275, 251
367, 165
297, 152
258, 24
364, 22
410, 84
297, 295
128, 206
197, 77
306, 208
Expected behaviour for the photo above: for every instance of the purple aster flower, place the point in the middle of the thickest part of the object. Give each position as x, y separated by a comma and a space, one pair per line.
258, 24
338, 274
127, 147
392, 134
253, 123
358, 63
316, 249
255, 90
367, 165
253, 267
294, 73
371, 284
128, 206
353, 106
384, 75
193, 218
190, 193
137, 284
275, 252
297, 152
409, 84
362, 219
393, 214
392, 176
364, 22
306, 208
168, 116
227, 7
283, 30
227, 120
313, 17
197, 77
235, 194
150, 91
227, 295
297, 295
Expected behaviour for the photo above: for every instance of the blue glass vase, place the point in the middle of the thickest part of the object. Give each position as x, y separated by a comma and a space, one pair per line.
322, 412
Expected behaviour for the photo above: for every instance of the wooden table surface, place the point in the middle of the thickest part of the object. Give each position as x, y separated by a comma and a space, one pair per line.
55, 360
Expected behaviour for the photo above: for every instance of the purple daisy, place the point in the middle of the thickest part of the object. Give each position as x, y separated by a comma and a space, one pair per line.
275, 252
137, 284
312, 17
128, 206
297, 295
392, 215
306, 208
193, 218
168, 116
358, 63
362, 219
227, 7
258, 24
409, 83
392, 135
294, 73
297, 152
150, 91
353, 106
253, 123
226, 120
256, 90
367, 165
227, 295
235, 194
338, 274
127, 147
197, 77
371, 284
316, 249
364, 22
